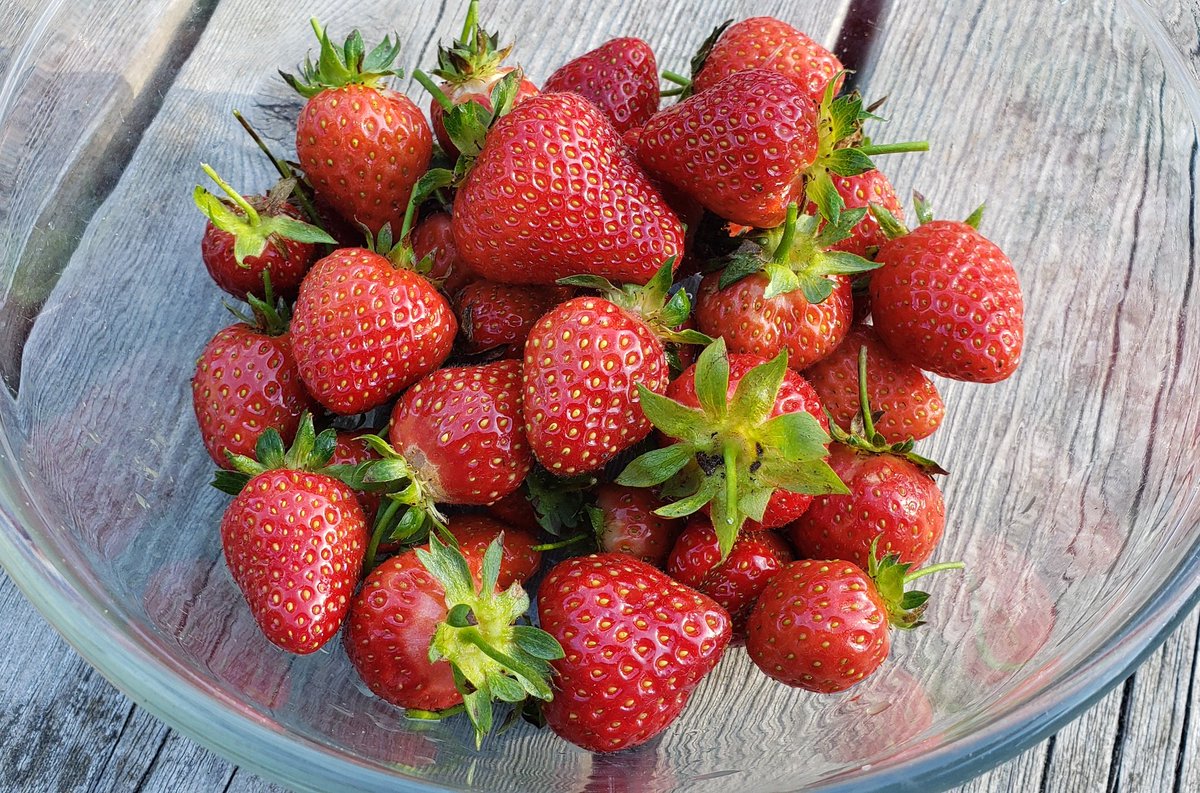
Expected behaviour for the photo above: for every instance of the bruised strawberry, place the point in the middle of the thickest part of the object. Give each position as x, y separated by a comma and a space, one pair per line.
620, 77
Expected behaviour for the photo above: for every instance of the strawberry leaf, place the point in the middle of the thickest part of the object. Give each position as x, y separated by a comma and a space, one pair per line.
712, 379
672, 418
755, 394
656, 466
739, 266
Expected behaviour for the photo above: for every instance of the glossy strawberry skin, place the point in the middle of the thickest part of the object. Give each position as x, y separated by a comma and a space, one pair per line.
363, 330
515, 509
462, 428
246, 382
908, 401
433, 236
556, 193
629, 525
740, 148
286, 260
620, 77
583, 362
351, 451
768, 43
479, 91
795, 395
819, 625
870, 187
294, 543
363, 149
736, 582
493, 316
475, 533
752, 324
948, 301
890, 499
636, 644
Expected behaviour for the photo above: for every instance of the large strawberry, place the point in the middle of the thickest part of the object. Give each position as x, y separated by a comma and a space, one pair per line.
620, 77
947, 299
824, 625
361, 145
253, 237
293, 538
426, 634
635, 645
364, 330
750, 442
247, 382
553, 193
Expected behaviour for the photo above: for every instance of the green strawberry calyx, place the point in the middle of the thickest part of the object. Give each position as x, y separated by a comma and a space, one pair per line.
558, 503
654, 302
254, 227
467, 123
475, 55
891, 576
798, 255
398, 249
493, 653
268, 314
863, 437
730, 454
893, 227
349, 64
309, 452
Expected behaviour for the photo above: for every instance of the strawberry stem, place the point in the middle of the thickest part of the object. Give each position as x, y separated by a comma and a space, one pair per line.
933, 568
554, 546
789, 235
471, 22
434, 715
864, 402
731, 483
675, 77
429, 85
281, 167
894, 148
382, 521
243, 204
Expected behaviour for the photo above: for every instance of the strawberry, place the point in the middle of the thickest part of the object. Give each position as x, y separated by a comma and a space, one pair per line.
498, 317
947, 299
907, 401
362, 145
620, 77
432, 237
586, 360
824, 625
625, 522
474, 533
364, 330
635, 642
750, 443
425, 633
352, 450
293, 538
766, 43
554, 192
786, 289
247, 382
255, 236
515, 509
859, 192
736, 581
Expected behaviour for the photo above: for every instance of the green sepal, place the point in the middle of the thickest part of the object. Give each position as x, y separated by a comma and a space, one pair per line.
923, 208
702, 53
975, 218
656, 466
669, 416
230, 482
755, 395
806, 477
739, 266
557, 502
348, 65
888, 223
308, 452
891, 577
796, 436
781, 280
820, 190
270, 450
753, 502
712, 378
848, 162
693, 503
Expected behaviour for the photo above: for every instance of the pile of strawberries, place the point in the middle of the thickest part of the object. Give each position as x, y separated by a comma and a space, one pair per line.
488, 316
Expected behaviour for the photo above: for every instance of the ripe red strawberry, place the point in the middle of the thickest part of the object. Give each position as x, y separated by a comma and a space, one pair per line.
859, 192
474, 533
293, 539
768, 43
364, 330
740, 148
433, 237
515, 509
824, 625
620, 77
256, 235
498, 317
409, 635
635, 645
246, 382
947, 299
625, 522
750, 447
736, 581
554, 192
907, 401
362, 145
353, 450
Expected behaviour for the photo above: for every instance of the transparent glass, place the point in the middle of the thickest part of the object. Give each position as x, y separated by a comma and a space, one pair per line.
1073, 497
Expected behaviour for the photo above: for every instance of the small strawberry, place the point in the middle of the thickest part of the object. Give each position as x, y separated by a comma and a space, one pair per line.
584, 363
256, 235
947, 299
750, 443
498, 317
361, 145
515, 509
293, 538
824, 625
474, 533
247, 382
620, 77
352, 450
625, 522
766, 43
859, 192
432, 237
426, 634
635, 642
787, 289
736, 581
364, 330
907, 402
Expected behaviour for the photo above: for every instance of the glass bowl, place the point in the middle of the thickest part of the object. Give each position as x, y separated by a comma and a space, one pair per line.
1073, 497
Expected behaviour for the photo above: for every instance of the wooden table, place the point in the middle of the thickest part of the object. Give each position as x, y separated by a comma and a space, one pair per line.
63, 727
